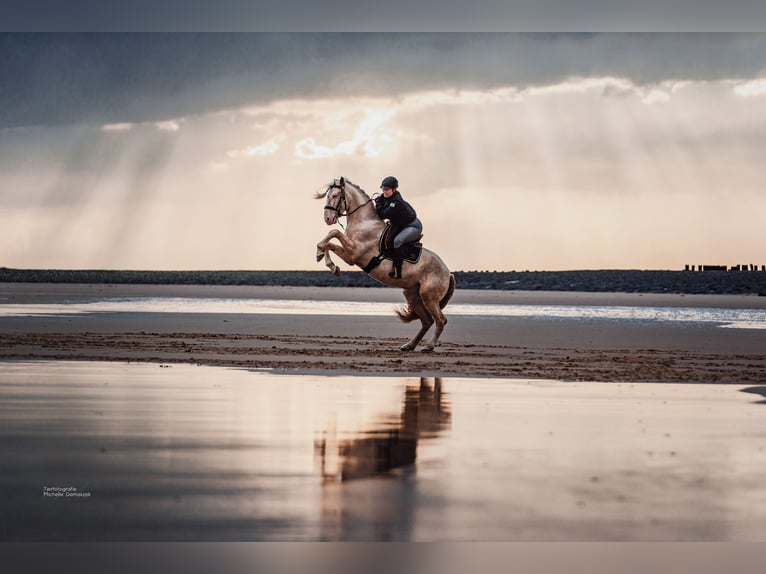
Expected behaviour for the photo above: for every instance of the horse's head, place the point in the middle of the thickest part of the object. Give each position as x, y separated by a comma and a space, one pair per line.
335, 204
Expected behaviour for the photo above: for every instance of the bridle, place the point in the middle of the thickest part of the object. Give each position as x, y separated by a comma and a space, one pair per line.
342, 200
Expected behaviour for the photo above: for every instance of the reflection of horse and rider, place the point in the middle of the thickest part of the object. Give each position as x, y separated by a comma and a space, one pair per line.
426, 281
355, 506
390, 443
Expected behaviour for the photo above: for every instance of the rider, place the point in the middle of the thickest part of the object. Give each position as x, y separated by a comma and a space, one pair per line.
391, 206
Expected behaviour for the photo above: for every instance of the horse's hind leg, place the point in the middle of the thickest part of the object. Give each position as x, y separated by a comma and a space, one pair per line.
416, 304
431, 304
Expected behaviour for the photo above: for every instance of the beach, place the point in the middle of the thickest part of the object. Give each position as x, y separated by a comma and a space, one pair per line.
261, 413
472, 346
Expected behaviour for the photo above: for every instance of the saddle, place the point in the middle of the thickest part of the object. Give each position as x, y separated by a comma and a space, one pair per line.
411, 250
386, 244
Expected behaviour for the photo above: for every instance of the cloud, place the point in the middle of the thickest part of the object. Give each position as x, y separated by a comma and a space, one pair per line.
752, 88
106, 79
121, 127
168, 126
393, 15
656, 97
165, 126
268, 148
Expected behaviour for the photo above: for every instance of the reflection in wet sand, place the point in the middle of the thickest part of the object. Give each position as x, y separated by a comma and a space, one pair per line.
387, 448
389, 443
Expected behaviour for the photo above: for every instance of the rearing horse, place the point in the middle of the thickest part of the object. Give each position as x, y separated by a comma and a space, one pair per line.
428, 284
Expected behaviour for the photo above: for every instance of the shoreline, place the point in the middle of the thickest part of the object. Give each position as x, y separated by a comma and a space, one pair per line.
593, 281
472, 346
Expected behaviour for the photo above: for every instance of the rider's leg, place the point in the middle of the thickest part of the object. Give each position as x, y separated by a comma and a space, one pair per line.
407, 235
397, 256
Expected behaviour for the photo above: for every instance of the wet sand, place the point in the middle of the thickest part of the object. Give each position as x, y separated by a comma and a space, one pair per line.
136, 452
517, 347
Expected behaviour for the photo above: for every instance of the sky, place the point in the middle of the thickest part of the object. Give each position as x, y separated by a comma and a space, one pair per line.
519, 151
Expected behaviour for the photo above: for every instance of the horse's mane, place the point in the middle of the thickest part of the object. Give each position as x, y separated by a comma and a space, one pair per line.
358, 188
329, 186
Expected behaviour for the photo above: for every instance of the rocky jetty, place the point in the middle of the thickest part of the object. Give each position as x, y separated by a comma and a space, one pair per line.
620, 281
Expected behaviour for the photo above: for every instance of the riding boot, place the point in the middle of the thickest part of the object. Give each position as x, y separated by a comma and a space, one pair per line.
397, 257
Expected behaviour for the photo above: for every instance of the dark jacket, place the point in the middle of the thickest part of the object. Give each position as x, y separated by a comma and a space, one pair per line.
395, 209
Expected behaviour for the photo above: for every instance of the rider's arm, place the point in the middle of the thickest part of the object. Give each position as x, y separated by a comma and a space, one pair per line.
379, 206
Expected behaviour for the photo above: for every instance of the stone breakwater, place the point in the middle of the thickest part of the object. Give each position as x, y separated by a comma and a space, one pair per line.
605, 281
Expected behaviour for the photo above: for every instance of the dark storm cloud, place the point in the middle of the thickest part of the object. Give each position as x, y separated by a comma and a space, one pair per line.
391, 15
108, 78
60, 79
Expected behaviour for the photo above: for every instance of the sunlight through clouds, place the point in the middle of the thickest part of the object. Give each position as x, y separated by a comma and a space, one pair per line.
363, 126
369, 139
587, 172
600, 164
752, 88
342, 127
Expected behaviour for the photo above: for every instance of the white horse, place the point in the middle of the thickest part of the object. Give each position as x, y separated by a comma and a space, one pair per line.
428, 284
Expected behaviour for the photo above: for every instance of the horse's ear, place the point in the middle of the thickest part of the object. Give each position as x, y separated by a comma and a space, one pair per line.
342, 182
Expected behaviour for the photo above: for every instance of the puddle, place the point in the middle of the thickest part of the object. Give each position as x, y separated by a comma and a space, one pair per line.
115, 451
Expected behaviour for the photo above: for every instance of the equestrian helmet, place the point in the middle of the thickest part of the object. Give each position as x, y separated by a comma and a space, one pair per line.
390, 181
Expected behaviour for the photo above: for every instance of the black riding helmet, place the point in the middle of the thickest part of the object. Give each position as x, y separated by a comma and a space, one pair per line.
389, 181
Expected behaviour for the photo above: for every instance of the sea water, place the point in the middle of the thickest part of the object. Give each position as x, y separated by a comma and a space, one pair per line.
728, 318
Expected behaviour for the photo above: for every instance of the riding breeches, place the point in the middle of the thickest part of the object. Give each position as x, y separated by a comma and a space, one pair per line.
410, 233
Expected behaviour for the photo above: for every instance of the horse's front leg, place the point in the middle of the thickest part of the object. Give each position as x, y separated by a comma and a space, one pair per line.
322, 246
338, 249
344, 250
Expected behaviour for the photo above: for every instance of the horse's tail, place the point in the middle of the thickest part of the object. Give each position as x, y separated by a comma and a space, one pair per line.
450, 291
406, 313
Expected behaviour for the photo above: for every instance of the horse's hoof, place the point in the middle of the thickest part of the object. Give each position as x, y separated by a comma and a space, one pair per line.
427, 349
319, 257
406, 347
336, 271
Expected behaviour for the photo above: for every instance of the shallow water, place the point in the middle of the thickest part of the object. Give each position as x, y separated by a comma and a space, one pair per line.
730, 318
147, 452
